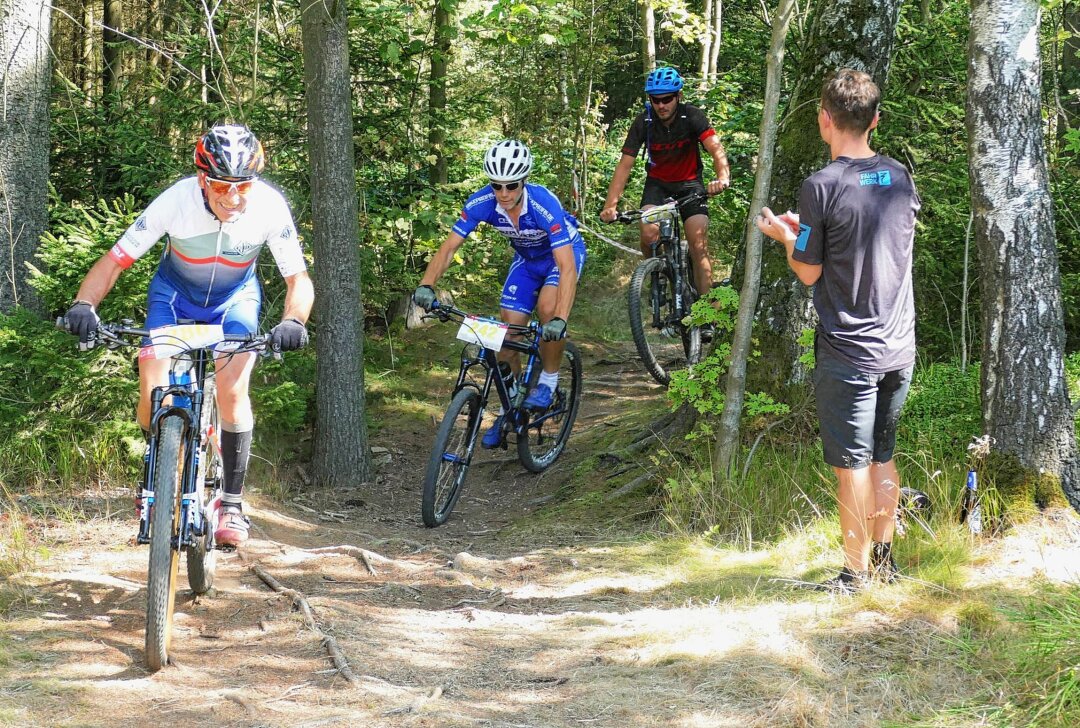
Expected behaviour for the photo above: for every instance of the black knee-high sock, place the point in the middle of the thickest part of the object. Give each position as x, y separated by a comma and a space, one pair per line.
235, 452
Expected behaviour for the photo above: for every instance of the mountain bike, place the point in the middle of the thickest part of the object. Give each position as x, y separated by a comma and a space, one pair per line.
180, 495
540, 435
662, 291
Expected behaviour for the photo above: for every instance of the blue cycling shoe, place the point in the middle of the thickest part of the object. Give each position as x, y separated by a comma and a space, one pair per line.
540, 398
493, 437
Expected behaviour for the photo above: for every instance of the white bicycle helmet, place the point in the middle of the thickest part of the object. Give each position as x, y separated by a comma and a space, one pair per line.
508, 161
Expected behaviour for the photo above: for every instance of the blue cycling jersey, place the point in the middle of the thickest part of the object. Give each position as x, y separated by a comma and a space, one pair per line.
542, 226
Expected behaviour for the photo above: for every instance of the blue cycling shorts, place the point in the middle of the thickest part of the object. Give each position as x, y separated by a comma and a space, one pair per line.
526, 277
238, 314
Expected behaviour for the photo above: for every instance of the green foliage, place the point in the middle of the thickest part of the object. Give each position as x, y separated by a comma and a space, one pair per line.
942, 413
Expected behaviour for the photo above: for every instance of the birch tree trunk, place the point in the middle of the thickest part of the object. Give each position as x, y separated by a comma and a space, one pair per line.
727, 435
341, 441
648, 37
706, 44
843, 33
717, 28
25, 75
1025, 396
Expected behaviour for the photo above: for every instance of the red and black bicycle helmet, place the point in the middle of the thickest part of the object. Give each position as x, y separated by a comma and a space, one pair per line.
230, 152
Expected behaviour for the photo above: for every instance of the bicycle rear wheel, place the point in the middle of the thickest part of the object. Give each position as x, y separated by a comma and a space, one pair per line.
450, 457
202, 558
666, 344
164, 546
546, 433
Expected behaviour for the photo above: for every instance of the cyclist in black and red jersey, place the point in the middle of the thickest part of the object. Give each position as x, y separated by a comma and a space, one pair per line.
670, 132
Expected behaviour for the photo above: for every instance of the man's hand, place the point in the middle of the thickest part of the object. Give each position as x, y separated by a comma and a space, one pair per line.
783, 228
289, 335
608, 214
424, 296
82, 320
717, 186
554, 330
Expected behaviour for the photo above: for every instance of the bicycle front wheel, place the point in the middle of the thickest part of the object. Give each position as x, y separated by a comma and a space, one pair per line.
202, 558
164, 542
450, 457
545, 434
658, 333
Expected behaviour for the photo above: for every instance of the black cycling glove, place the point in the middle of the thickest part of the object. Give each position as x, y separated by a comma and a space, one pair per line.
424, 296
554, 330
289, 335
82, 320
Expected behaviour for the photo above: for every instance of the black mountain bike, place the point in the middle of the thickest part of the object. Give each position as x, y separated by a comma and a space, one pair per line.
180, 497
540, 435
661, 293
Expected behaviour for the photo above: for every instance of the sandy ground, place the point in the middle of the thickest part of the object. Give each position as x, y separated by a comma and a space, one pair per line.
477, 623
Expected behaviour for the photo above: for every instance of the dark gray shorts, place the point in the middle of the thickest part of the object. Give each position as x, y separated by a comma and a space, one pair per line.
857, 411
656, 192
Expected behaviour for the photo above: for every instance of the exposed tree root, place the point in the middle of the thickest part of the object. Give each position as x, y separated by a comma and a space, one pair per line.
301, 603
367, 558
669, 426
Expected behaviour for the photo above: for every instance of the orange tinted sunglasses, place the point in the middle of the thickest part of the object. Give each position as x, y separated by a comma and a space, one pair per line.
224, 187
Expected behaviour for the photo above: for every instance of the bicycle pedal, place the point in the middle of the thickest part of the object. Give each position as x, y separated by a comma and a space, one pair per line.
225, 547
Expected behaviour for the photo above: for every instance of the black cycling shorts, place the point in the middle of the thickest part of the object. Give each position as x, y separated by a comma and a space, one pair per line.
657, 192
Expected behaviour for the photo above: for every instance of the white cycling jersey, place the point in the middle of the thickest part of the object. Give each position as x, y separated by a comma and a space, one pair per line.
205, 259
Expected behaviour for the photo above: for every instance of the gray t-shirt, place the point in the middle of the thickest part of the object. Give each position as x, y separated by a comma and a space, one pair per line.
857, 220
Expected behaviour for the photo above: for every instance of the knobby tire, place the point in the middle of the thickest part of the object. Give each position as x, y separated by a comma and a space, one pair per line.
541, 444
657, 355
450, 457
164, 557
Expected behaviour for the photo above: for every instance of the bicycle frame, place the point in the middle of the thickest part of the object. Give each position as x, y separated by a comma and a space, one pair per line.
187, 375
669, 245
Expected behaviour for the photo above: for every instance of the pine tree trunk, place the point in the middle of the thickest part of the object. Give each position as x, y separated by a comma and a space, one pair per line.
341, 455
843, 33
25, 75
112, 21
1025, 395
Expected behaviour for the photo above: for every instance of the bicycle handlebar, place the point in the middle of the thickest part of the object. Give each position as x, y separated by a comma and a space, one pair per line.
669, 206
446, 312
118, 335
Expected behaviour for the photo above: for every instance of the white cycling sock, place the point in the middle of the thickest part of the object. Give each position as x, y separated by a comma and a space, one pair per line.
551, 379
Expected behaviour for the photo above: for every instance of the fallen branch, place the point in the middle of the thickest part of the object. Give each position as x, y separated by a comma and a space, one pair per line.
301, 603
417, 704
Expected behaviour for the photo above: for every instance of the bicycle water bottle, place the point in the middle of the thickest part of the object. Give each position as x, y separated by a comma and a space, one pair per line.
509, 380
971, 511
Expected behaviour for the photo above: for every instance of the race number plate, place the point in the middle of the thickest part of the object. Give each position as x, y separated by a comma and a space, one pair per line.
168, 341
488, 334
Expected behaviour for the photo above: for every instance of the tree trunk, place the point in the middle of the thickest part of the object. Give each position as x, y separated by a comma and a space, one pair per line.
86, 59
112, 21
25, 75
1070, 64
440, 62
648, 36
1025, 395
341, 442
717, 28
843, 33
727, 435
706, 44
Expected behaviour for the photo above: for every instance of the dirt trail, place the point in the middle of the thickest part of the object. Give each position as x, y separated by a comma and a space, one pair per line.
478, 623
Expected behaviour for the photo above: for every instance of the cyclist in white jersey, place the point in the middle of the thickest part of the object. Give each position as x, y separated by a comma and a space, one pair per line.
215, 224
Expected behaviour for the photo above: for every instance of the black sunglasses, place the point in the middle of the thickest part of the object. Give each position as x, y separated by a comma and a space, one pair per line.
662, 100
511, 186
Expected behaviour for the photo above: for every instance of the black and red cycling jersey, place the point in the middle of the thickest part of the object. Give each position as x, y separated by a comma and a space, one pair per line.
672, 150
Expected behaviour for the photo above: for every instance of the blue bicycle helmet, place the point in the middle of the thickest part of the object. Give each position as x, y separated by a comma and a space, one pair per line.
664, 80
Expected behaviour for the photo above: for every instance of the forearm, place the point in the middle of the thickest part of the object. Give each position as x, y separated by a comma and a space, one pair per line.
805, 272
619, 180
564, 298
440, 262
99, 281
299, 298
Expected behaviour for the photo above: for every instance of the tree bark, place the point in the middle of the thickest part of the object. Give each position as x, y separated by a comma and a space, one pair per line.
112, 21
843, 33
341, 455
717, 29
1070, 64
706, 44
440, 62
24, 142
648, 36
1025, 395
727, 435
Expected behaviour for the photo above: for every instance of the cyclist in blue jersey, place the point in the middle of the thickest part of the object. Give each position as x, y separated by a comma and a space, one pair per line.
215, 223
548, 256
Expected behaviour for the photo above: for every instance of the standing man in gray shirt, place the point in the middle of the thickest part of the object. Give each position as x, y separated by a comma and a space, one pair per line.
852, 240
